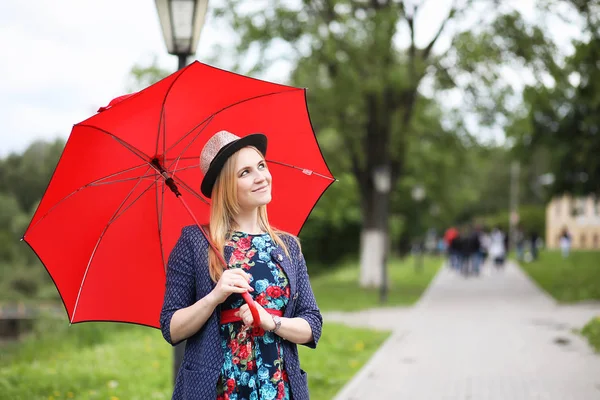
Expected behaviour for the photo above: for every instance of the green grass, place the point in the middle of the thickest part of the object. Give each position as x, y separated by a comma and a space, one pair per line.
339, 290
576, 278
592, 332
117, 361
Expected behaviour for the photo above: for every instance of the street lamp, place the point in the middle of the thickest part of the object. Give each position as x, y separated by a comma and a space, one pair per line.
382, 180
182, 22
418, 193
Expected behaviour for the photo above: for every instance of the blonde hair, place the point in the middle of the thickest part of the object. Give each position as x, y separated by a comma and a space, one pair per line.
224, 206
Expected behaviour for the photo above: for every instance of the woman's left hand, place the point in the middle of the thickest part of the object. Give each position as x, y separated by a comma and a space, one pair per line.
266, 320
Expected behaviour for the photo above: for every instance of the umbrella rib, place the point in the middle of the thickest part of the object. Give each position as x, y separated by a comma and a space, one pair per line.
207, 119
304, 170
185, 168
159, 212
176, 159
190, 190
122, 180
128, 146
112, 219
93, 183
162, 113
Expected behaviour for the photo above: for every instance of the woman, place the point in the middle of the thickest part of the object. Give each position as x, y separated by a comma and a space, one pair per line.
226, 357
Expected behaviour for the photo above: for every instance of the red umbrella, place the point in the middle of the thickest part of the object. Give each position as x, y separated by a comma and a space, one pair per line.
110, 216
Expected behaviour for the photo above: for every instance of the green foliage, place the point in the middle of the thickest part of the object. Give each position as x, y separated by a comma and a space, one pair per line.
592, 332
562, 118
118, 361
26, 176
576, 278
531, 219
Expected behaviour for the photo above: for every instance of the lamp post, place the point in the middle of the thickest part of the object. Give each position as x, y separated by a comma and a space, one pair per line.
382, 181
181, 22
418, 194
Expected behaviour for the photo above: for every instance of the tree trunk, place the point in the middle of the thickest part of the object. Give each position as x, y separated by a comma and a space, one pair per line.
374, 239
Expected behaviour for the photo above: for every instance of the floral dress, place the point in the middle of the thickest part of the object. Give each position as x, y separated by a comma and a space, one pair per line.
253, 367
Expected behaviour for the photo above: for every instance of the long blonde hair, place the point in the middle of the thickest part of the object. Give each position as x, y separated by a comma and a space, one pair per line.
224, 206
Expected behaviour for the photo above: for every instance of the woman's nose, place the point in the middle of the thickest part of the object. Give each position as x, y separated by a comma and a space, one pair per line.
259, 177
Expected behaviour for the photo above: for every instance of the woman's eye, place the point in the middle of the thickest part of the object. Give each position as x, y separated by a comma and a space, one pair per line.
261, 165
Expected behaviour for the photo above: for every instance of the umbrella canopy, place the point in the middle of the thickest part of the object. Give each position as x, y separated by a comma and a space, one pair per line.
110, 216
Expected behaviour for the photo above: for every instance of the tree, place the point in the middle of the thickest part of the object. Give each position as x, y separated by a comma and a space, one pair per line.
26, 175
562, 115
366, 88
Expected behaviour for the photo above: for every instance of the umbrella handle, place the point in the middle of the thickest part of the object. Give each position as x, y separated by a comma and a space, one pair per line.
246, 296
253, 309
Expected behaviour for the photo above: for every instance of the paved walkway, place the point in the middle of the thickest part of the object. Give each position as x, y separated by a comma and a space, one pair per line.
496, 337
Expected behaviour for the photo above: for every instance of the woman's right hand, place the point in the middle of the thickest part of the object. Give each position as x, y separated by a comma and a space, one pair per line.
232, 281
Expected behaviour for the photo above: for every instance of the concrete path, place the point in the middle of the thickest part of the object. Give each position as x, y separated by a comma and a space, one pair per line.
495, 337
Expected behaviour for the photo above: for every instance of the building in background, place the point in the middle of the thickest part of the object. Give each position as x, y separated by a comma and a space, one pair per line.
579, 215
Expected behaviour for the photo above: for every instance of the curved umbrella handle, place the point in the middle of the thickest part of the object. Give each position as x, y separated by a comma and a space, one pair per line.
253, 309
246, 296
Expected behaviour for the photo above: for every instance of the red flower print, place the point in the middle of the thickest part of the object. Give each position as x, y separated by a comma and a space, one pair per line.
262, 299
241, 336
238, 255
280, 390
251, 253
236, 360
244, 352
277, 375
234, 346
274, 291
244, 244
230, 385
284, 376
250, 366
245, 266
287, 291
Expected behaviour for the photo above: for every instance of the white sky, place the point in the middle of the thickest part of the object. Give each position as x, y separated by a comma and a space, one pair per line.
62, 59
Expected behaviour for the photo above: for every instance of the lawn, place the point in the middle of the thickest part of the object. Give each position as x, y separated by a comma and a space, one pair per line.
576, 278
116, 361
339, 290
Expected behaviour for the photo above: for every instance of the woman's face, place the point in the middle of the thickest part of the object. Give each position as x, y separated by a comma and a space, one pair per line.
253, 179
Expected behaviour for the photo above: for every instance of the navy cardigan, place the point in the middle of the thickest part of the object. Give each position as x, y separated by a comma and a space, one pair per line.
188, 281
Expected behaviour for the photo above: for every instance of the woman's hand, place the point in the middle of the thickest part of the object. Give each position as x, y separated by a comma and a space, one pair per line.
266, 320
232, 281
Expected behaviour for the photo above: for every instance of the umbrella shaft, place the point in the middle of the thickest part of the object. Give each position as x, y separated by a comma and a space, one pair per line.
168, 180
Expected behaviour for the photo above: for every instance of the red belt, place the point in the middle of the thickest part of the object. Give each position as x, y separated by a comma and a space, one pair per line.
228, 316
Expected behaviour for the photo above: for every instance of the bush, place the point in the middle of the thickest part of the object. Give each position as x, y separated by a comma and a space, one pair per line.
592, 332
531, 219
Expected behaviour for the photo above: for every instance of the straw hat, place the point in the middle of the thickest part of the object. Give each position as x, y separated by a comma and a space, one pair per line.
217, 151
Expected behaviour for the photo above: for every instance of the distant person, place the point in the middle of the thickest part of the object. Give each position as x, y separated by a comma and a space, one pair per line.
485, 242
565, 243
498, 247
473, 257
534, 245
520, 243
